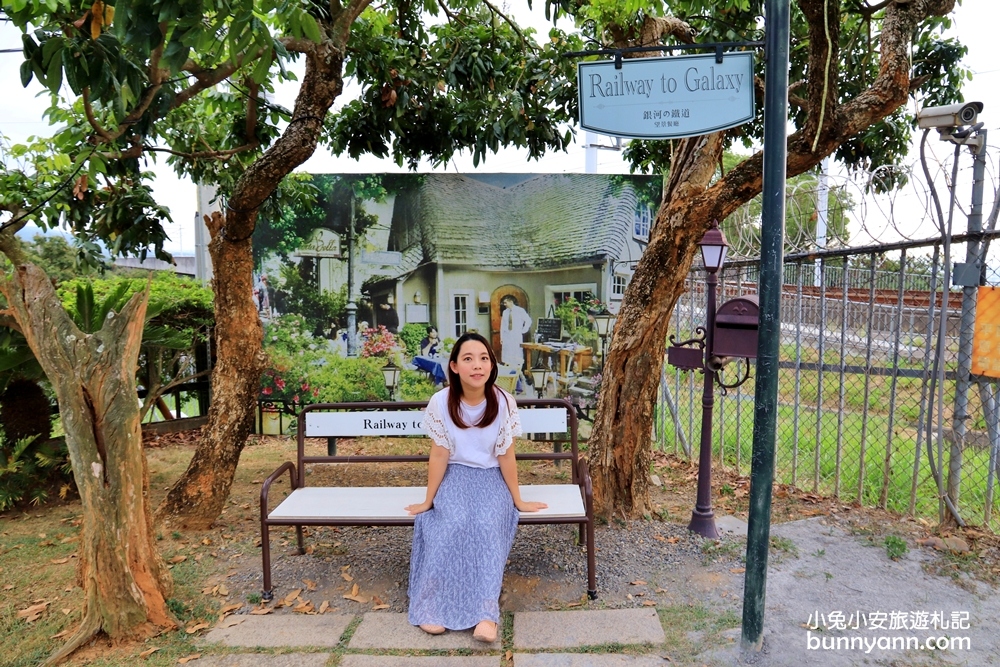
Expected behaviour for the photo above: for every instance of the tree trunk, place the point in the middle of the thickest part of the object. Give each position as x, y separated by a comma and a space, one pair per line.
621, 448
198, 497
621, 439
125, 582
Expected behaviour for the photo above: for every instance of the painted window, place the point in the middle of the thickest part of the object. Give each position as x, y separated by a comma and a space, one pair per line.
557, 294
618, 284
461, 314
643, 220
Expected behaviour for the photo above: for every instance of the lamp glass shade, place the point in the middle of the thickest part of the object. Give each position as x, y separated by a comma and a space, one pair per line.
713, 256
713, 248
603, 323
390, 373
538, 375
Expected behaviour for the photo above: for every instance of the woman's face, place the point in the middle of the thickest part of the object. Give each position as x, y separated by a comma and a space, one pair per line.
473, 364
432, 335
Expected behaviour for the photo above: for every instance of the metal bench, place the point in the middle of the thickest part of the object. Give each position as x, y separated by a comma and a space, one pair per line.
383, 506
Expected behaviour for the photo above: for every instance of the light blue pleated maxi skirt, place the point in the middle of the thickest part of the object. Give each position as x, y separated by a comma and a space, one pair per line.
460, 547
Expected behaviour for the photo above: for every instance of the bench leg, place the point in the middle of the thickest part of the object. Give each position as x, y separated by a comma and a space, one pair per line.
591, 562
581, 535
265, 551
302, 545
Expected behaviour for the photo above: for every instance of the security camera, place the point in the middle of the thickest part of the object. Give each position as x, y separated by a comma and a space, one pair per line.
949, 115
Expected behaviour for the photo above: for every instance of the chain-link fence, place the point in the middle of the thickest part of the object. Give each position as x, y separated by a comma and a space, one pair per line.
871, 405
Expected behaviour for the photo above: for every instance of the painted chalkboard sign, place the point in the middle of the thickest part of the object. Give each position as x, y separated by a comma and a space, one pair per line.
549, 328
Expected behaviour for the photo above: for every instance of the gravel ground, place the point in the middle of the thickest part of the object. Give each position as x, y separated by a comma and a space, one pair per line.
546, 568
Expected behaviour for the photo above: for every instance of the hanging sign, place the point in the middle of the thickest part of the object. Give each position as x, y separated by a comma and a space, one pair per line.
666, 98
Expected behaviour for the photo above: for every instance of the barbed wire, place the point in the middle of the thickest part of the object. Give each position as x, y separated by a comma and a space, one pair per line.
867, 208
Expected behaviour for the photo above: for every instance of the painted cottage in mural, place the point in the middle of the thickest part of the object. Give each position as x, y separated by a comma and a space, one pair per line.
473, 245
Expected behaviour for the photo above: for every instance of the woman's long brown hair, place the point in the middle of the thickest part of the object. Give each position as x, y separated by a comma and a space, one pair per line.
455, 385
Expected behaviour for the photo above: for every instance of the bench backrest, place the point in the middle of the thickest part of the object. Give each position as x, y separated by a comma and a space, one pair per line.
395, 419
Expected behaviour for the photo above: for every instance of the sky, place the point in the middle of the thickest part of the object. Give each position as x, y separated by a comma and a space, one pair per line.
975, 20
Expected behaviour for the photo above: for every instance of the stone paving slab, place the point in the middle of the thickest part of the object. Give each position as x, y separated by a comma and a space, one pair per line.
586, 660
393, 631
569, 629
731, 525
419, 661
262, 660
281, 630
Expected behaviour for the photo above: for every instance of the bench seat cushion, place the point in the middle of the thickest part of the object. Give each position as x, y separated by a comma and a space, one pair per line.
365, 503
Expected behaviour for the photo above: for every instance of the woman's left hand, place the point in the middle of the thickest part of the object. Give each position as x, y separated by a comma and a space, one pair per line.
530, 506
418, 508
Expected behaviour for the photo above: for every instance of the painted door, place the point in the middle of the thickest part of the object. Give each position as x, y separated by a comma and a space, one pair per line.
496, 310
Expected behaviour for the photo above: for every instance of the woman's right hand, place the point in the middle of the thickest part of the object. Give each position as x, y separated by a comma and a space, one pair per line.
419, 508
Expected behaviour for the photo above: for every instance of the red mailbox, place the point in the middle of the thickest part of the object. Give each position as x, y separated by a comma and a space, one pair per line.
736, 324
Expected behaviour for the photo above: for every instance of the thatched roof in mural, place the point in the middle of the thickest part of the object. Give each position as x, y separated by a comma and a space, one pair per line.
548, 221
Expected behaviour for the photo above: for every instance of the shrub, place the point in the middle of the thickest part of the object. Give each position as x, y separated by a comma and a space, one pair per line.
415, 386
341, 379
30, 467
379, 343
411, 334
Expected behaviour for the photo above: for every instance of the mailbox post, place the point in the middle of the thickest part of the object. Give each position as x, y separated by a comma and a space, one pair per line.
729, 333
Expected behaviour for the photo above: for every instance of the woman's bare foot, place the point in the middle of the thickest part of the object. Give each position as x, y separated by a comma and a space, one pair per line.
432, 629
485, 632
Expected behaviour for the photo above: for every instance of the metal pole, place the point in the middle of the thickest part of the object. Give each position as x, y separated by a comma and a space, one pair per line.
352, 308
970, 285
769, 290
822, 207
702, 518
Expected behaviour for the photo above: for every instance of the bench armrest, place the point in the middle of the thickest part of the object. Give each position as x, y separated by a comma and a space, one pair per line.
583, 477
266, 486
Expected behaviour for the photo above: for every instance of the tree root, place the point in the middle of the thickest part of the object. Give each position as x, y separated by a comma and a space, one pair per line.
89, 627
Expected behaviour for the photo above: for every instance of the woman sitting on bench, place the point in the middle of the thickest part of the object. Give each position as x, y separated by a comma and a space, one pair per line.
465, 527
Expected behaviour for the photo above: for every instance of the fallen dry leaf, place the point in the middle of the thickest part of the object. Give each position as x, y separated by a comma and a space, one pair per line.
574, 604
673, 540
290, 598
191, 629
232, 621
185, 660
230, 607
32, 613
59, 561
356, 596
380, 606
346, 576
178, 559
648, 603
66, 611
148, 652
324, 606
9, 587
223, 590
738, 570
60, 635
259, 611
310, 584
638, 582
305, 607
660, 590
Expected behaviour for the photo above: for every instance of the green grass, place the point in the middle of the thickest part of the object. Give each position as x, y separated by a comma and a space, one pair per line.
824, 452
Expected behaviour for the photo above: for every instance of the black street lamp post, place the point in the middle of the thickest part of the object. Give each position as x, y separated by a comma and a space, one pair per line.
604, 322
538, 374
390, 373
713, 251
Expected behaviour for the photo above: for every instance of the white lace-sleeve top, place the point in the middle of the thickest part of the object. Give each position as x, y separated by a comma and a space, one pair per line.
475, 447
